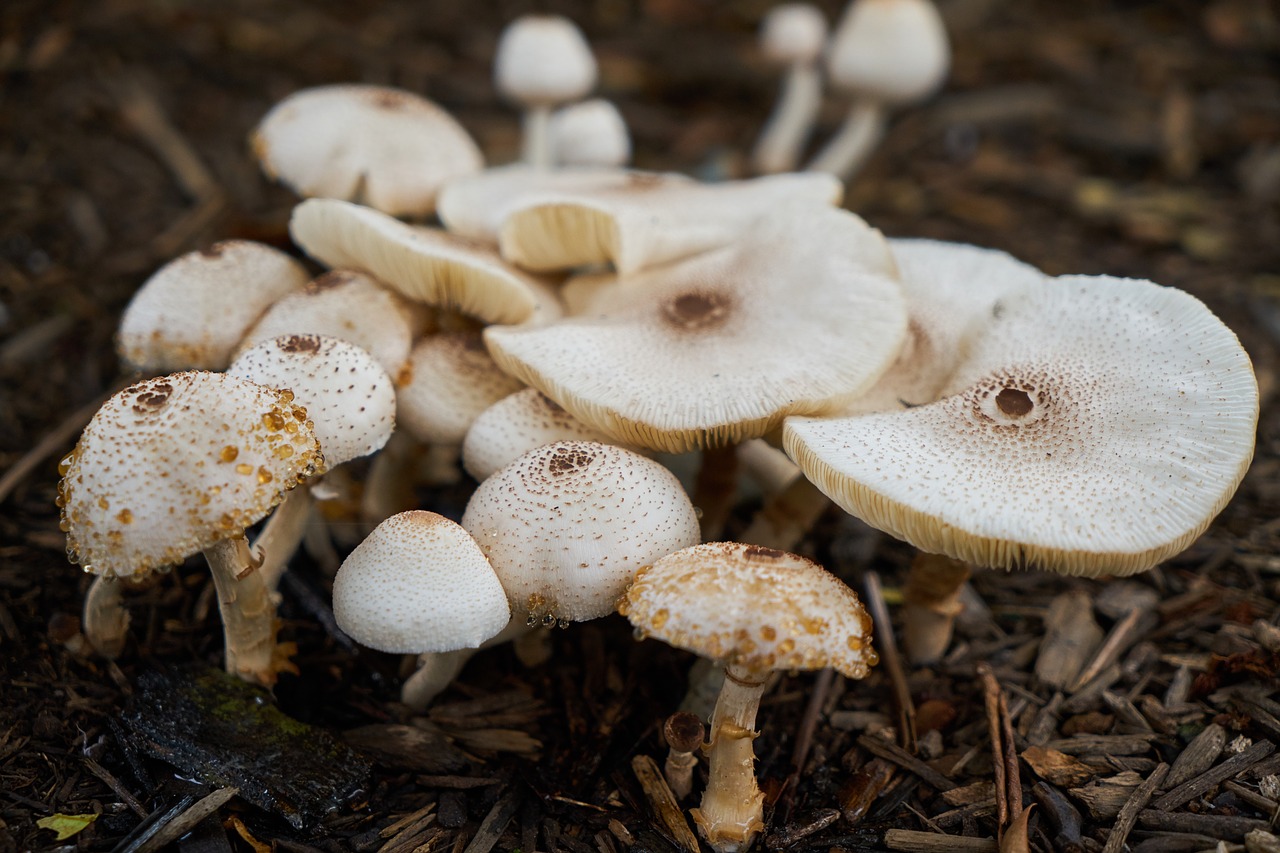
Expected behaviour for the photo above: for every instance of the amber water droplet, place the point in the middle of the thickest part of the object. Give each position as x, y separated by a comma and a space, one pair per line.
286, 396
244, 468
264, 476
124, 516
229, 453
531, 621
548, 621
59, 501
660, 618
284, 451
639, 634
299, 413
562, 623
64, 465
273, 421
103, 503
64, 525
291, 427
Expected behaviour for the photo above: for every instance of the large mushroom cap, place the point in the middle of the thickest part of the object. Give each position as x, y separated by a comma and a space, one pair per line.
567, 525
170, 466
195, 309
1095, 428
384, 147
752, 607
893, 51
419, 583
801, 315
543, 59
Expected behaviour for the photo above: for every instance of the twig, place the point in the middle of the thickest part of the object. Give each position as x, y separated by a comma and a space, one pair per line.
1012, 774
494, 823
892, 752
145, 117
663, 803
115, 785
1121, 636
932, 842
1129, 811
181, 823
892, 661
1212, 777
991, 699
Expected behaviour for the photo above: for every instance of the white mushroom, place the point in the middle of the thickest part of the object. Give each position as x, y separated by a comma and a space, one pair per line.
515, 425
590, 133
794, 35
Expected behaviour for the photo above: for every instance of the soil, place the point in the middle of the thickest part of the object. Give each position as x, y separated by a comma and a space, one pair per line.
1134, 139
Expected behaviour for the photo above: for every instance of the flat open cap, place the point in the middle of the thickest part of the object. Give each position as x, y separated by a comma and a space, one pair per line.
1096, 427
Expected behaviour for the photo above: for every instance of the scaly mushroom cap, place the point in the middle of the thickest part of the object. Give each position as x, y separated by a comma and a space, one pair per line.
384, 147
543, 59
793, 33
343, 304
647, 223
800, 316
567, 525
1096, 427
170, 466
892, 51
348, 396
753, 607
425, 264
515, 425
589, 133
419, 583
449, 380
195, 309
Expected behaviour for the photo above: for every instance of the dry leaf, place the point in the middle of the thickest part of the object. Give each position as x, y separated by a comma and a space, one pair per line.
66, 825
1056, 767
1016, 838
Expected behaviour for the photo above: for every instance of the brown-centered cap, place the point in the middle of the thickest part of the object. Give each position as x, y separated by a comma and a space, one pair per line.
449, 380
515, 425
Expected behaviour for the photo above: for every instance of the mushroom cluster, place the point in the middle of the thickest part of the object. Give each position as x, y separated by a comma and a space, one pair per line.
556, 329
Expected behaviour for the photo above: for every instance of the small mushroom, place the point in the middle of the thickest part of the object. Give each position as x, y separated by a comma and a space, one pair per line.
793, 35
590, 133
757, 610
684, 734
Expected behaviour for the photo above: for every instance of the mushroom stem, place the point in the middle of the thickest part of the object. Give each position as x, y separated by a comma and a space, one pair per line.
684, 735
388, 488
931, 602
282, 534
784, 135
787, 516
853, 143
715, 488
435, 672
106, 621
537, 136
248, 616
732, 808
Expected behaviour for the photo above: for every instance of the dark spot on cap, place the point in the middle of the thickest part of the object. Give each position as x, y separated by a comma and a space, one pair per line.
1014, 402
388, 100
695, 311
997, 310
566, 460
300, 343
216, 250
684, 731
763, 552
331, 279
152, 398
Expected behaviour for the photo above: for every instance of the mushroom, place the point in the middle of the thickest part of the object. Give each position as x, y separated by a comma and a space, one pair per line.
884, 53
757, 610
193, 311
542, 60
793, 35
719, 348
179, 465
684, 734
420, 584
384, 147
589, 133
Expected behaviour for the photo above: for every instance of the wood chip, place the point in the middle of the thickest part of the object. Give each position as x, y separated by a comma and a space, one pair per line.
934, 842
184, 822
1070, 637
1129, 813
663, 803
1213, 777
1103, 744
1214, 826
899, 756
977, 792
1121, 636
1198, 756
494, 823
1105, 797
1057, 767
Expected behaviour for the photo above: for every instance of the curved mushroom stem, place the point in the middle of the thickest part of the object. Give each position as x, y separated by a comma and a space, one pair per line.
784, 135
787, 516
106, 621
766, 466
537, 136
435, 672
388, 488
282, 534
248, 615
732, 808
931, 602
853, 143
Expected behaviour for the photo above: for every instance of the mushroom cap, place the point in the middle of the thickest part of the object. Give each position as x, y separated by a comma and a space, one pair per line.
793, 33
515, 425
384, 147
449, 380
567, 525
173, 465
752, 607
647, 223
346, 393
195, 309
343, 304
424, 264
543, 59
721, 347
892, 51
589, 133
1095, 428
419, 583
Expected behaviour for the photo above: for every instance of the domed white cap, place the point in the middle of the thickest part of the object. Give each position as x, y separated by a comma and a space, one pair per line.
170, 466
893, 51
449, 380
347, 395
1096, 427
419, 583
721, 347
543, 59
348, 305
194, 310
648, 223
567, 525
424, 264
793, 33
384, 147
515, 425
589, 133
752, 607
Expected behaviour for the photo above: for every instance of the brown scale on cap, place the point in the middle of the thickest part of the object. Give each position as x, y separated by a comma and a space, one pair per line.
697, 311
299, 343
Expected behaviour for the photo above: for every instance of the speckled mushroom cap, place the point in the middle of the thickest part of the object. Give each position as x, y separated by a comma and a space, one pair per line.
752, 607
384, 147
894, 51
419, 583
1096, 427
567, 525
515, 425
449, 380
348, 396
425, 264
643, 224
195, 309
800, 316
952, 291
348, 305
793, 32
589, 133
171, 466
543, 59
